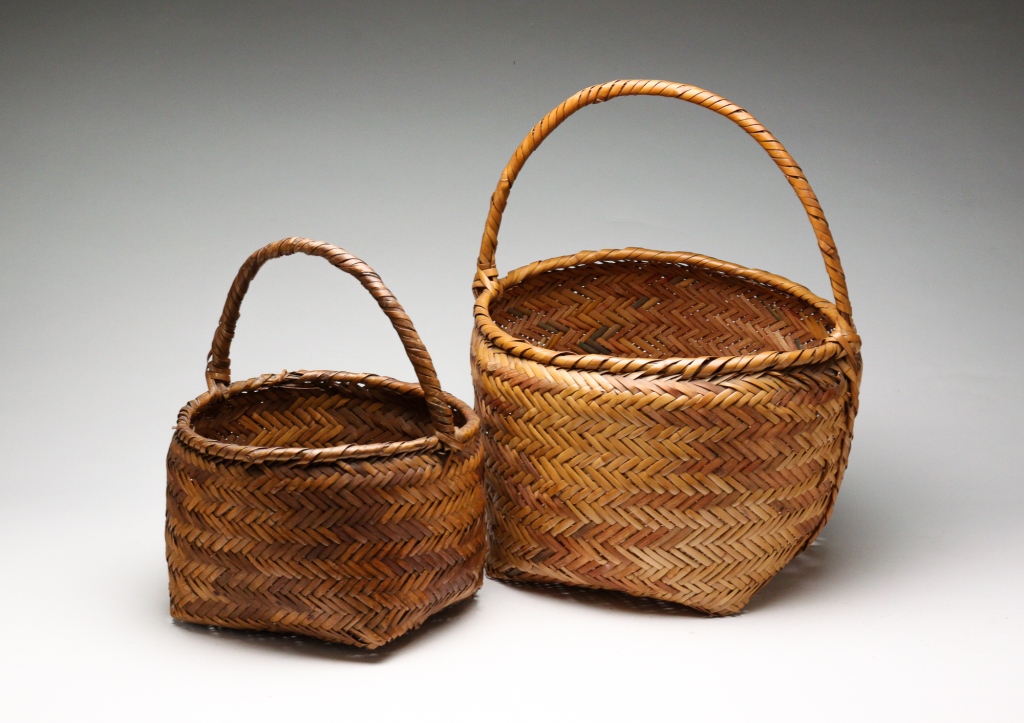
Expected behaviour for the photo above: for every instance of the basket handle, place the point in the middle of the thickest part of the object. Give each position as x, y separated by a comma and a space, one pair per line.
218, 364
487, 271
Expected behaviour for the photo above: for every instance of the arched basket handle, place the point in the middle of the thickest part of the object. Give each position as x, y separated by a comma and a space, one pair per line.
487, 271
218, 365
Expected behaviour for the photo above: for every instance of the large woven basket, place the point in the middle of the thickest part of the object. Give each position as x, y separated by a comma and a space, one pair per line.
662, 424
344, 506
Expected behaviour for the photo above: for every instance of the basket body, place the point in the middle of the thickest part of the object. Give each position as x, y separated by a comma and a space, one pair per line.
695, 491
351, 550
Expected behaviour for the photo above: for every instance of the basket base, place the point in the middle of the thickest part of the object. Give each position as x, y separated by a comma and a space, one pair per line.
361, 637
735, 605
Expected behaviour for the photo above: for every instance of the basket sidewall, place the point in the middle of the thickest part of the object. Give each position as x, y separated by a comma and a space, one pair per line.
353, 551
697, 491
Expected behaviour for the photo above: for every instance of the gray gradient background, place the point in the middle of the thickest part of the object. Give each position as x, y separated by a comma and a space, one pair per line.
146, 149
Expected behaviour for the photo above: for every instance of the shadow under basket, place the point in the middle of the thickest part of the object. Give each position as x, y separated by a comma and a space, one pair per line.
328, 504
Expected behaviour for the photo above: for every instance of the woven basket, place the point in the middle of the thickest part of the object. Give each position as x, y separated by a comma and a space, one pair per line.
662, 424
348, 507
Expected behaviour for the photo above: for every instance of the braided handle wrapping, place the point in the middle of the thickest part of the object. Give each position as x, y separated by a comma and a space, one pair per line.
218, 365
486, 266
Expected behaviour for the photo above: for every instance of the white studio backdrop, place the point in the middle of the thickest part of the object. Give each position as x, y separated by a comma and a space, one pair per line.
147, 149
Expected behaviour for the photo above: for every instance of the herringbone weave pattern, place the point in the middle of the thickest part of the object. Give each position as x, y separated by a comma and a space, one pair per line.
324, 503
663, 424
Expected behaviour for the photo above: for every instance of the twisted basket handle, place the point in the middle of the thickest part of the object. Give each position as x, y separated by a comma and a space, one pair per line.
218, 364
487, 271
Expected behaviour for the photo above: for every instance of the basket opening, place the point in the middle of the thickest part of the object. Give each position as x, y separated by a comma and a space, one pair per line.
315, 416
655, 310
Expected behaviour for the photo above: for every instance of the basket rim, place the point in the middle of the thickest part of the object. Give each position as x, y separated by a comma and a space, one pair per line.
185, 433
842, 341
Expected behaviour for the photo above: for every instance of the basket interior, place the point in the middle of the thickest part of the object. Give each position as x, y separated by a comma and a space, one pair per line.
315, 416
652, 310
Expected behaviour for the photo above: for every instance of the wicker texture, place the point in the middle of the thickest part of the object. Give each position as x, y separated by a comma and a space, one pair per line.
663, 424
344, 506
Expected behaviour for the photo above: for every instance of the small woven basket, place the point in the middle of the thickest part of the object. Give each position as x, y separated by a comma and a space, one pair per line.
662, 424
348, 507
